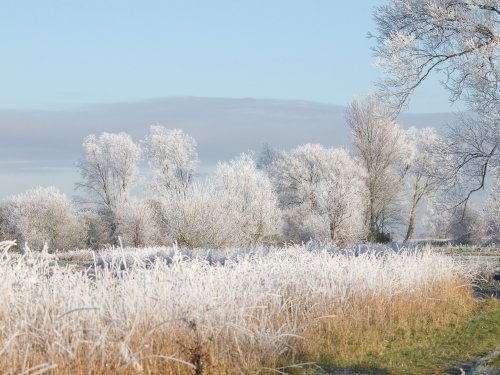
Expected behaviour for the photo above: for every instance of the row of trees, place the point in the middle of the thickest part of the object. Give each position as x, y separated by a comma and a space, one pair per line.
308, 193
311, 192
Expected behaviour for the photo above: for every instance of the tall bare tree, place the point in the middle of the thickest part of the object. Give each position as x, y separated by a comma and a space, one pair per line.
172, 154
377, 140
108, 169
421, 164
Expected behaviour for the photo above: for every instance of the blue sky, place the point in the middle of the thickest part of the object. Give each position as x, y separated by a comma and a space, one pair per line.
70, 68
59, 54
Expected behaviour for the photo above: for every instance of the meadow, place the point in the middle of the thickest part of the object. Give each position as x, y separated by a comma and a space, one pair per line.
254, 310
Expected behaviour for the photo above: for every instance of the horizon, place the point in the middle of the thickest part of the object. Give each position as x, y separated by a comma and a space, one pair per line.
71, 54
42, 146
73, 69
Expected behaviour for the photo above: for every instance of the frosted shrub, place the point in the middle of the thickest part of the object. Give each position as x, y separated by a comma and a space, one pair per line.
44, 215
98, 227
195, 218
251, 200
137, 224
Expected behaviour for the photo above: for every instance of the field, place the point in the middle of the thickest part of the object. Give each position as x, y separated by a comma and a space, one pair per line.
301, 309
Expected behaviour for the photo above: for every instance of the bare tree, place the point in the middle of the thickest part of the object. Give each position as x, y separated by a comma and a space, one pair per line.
321, 192
467, 227
251, 199
460, 40
172, 154
468, 154
422, 165
108, 169
377, 140
267, 156
457, 38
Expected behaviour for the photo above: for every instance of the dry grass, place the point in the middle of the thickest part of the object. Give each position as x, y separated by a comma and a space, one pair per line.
254, 314
369, 325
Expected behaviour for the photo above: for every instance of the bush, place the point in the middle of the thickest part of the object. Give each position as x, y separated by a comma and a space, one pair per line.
43, 215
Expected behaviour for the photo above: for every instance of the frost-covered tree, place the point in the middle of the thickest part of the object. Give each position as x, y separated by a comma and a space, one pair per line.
108, 169
455, 224
468, 155
459, 40
491, 212
251, 199
378, 142
267, 156
320, 191
138, 224
235, 207
172, 155
341, 199
467, 227
422, 164
8, 229
44, 215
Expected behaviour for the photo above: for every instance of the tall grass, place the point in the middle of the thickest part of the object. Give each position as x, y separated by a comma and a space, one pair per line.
251, 312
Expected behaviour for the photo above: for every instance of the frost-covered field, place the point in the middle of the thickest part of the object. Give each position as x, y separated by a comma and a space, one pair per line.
163, 310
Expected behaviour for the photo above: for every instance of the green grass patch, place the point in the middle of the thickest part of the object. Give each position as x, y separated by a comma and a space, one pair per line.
433, 351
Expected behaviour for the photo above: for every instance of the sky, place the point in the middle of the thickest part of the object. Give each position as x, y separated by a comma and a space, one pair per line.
233, 74
64, 54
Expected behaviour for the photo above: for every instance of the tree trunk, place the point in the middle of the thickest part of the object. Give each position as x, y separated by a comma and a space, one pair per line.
332, 231
372, 219
411, 223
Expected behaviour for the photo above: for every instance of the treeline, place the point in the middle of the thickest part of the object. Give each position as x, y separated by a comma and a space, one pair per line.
308, 193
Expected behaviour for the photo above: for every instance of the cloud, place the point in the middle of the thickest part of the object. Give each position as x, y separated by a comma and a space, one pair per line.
32, 141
